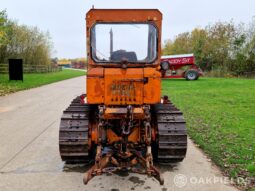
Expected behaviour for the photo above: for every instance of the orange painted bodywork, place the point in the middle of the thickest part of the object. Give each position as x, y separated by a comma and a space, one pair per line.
95, 86
115, 87
109, 84
134, 136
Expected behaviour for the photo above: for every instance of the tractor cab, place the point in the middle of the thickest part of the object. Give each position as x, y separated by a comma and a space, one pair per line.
123, 56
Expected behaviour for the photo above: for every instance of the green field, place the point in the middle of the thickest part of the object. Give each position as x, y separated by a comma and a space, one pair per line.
35, 80
220, 115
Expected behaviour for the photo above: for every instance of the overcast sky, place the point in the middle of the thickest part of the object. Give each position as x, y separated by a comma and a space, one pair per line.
65, 19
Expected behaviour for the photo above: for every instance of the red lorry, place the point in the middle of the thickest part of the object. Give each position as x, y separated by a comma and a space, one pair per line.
180, 66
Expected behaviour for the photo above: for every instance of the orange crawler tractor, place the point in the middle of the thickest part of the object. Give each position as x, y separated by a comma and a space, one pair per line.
123, 123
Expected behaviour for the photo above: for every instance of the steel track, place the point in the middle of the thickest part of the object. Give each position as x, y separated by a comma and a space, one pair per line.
171, 145
73, 133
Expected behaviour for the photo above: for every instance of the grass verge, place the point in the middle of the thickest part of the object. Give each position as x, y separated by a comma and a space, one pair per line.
35, 80
220, 115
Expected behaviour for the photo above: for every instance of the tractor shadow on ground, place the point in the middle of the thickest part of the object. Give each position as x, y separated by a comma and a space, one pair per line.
167, 167
82, 168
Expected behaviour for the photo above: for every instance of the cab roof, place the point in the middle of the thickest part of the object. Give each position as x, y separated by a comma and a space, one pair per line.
123, 15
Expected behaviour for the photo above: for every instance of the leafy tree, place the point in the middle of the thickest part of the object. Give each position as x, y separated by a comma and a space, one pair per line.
199, 47
21, 41
3, 28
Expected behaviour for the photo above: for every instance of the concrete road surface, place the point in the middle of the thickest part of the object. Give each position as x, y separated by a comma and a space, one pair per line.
29, 157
